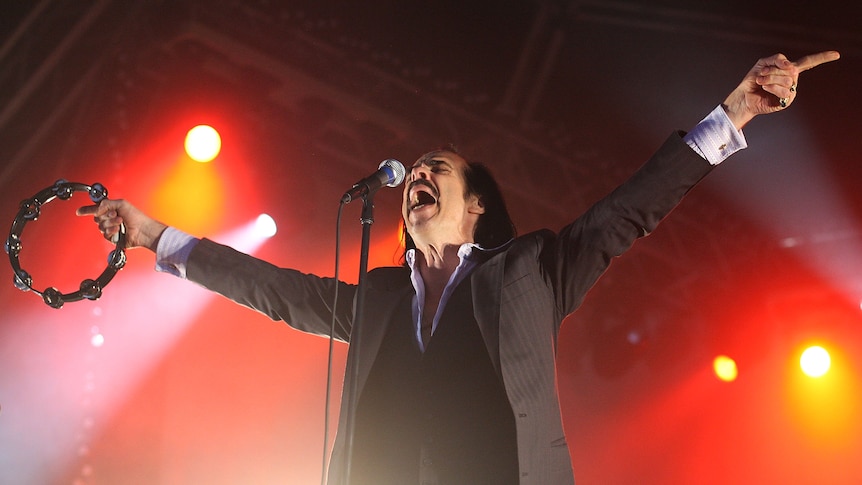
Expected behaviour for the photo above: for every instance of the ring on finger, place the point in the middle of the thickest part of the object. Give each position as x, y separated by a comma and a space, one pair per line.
783, 102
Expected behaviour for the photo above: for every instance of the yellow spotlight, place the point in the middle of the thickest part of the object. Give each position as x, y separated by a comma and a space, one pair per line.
725, 368
203, 143
815, 361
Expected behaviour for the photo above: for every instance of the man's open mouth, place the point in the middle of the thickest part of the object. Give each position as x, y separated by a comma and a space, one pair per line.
421, 198
421, 194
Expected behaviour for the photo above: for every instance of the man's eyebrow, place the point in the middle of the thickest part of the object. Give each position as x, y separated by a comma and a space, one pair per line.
430, 162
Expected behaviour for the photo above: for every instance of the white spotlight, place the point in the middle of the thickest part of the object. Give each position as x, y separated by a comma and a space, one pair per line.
265, 226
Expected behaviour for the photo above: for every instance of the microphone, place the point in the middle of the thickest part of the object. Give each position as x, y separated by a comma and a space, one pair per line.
390, 173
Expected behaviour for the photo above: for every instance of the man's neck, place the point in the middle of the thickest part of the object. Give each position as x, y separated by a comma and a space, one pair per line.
437, 263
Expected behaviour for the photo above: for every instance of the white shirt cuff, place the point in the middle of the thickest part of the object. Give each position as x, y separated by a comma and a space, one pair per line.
715, 138
173, 251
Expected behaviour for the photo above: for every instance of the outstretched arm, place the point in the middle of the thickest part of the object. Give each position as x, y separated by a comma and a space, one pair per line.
770, 86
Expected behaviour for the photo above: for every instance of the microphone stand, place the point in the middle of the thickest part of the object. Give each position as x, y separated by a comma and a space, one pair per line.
366, 219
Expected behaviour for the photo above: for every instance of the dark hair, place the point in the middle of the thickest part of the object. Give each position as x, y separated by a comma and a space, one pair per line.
494, 227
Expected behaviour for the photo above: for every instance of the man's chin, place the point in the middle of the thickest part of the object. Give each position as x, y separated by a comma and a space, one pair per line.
419, 219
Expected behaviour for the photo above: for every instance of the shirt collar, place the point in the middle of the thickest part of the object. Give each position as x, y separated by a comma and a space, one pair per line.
467, 251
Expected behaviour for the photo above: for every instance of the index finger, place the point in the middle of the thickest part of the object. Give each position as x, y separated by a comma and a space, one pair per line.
87, 210
814, 60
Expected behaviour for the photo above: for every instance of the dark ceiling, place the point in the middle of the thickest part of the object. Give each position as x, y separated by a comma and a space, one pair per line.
564, 99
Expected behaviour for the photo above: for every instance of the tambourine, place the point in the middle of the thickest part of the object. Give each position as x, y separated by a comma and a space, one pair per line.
29, 210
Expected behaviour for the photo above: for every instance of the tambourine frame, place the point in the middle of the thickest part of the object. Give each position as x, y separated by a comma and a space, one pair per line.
29, 210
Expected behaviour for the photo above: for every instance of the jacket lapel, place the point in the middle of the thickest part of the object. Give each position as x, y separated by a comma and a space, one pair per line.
378, 318
486, 282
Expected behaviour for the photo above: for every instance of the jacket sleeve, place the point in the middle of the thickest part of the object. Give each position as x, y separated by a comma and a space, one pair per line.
575, 258
303, 301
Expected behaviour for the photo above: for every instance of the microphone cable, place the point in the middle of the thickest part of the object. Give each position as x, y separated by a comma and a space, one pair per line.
390, 173
326, 416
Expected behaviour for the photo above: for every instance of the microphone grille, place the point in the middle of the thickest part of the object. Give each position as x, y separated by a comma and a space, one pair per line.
397, 169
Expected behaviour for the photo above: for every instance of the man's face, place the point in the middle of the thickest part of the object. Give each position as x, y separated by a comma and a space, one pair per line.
435, 204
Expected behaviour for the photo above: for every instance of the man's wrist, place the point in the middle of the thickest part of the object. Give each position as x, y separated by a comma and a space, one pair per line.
154, 235
734, 108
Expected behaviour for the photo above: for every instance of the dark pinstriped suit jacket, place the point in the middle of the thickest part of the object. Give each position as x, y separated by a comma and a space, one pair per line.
520, 295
